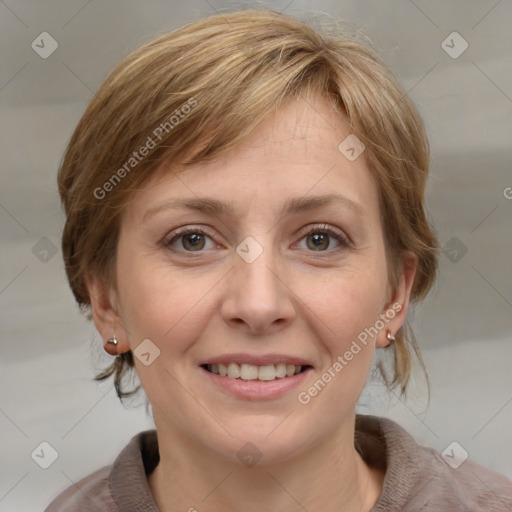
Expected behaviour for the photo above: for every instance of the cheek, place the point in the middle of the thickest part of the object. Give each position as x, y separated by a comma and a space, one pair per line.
345, 316
158, 301
350, 301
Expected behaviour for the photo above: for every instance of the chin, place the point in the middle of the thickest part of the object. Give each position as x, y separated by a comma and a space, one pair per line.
263, 442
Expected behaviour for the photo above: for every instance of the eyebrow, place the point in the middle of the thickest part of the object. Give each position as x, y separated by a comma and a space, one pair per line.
291, 206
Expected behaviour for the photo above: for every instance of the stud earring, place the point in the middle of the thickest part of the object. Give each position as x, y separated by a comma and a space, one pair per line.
112, 341
391, 338
111, 346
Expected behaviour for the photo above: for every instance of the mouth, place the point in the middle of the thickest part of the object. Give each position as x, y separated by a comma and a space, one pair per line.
248, 372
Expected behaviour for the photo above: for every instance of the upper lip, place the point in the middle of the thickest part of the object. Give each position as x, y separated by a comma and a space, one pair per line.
257, 360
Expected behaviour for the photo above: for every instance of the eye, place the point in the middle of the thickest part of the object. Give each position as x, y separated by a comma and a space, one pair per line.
193, 239
318, 238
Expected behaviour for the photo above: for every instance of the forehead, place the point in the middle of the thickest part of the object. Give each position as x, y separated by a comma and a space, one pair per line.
294, 153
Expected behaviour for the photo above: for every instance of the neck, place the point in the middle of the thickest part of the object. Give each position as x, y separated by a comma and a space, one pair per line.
331, 476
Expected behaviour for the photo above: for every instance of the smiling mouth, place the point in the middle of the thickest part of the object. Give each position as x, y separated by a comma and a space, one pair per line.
267, 372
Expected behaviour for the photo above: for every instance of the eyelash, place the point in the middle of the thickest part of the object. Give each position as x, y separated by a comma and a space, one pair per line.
323, 228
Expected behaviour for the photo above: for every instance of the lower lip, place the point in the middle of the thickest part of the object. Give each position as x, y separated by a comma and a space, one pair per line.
257, 389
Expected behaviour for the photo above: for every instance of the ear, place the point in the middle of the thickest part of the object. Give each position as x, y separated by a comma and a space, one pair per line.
105, 315
395, 311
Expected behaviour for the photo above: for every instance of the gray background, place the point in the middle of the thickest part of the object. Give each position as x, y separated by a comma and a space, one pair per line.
464, 327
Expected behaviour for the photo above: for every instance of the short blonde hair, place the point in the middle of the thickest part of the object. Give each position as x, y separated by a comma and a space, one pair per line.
232, 70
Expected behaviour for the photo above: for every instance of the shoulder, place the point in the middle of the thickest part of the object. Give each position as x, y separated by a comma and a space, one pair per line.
90, 493
419, 478
464, 484
121, 486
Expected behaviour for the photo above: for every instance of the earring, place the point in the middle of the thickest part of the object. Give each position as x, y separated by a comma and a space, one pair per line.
391, 338
111, 346
112, 341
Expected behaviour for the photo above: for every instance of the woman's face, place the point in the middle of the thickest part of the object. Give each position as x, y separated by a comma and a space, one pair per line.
261, 282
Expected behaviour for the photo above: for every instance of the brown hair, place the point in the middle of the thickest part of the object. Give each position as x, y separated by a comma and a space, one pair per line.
196, 92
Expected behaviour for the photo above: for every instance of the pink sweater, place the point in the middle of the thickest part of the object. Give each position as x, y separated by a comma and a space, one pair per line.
417, 478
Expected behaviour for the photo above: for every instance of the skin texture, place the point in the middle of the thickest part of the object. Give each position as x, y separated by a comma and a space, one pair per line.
198, 301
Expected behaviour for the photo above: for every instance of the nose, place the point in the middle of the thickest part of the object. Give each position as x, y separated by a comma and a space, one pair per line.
258, 298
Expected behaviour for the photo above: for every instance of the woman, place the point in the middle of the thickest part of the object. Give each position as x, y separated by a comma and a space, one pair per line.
246, 223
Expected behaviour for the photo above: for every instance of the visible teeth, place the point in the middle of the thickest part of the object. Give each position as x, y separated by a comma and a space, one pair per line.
280, 370
248, 372
233, 371
265, 372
